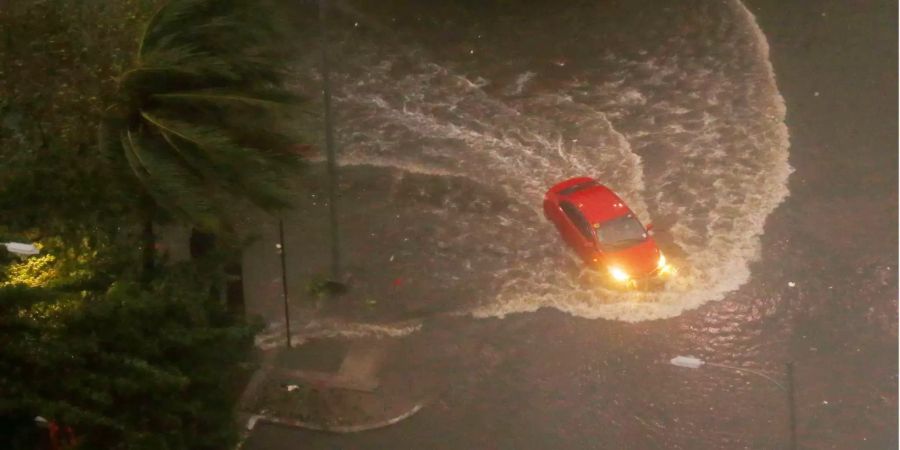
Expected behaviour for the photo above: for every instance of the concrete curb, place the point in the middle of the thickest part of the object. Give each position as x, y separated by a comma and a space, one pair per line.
273, 337
253, 420
248, 395
247, 419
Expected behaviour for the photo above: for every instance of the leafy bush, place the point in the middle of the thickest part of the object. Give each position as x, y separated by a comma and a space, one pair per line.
135, 368
154, 365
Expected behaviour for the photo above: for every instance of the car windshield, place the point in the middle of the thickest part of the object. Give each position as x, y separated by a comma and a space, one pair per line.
577, 187
620, 233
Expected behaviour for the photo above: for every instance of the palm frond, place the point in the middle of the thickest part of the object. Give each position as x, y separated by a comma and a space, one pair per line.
173, 15
223, 98
269, 191
162, 78
108, 144
216, 144
137, 160
198, 32
203, 168
218, 40
191, 158
274, 140
191, 60
154, 19
225, 26
251, 172
185, 191
213, 129
128, 145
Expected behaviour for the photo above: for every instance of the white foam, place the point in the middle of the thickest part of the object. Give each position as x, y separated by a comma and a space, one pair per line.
274, 337
725, 163
508, 147
521, 80
720, 240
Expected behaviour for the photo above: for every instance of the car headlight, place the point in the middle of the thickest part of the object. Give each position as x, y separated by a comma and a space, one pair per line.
618, 274
663, 267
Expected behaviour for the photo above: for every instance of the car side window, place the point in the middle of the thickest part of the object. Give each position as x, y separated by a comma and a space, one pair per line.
580, 222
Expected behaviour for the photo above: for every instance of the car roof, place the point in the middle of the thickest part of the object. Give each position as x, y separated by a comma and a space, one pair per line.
598, 203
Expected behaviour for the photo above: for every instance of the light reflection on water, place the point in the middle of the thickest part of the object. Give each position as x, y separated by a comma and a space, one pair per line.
446, 155
686, 125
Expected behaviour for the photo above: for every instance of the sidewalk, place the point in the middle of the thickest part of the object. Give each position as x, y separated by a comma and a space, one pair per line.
351, 367
332, 384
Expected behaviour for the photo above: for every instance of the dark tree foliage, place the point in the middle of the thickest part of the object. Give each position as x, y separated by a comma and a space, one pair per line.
201, 116
116, 115
58, 63
128, 368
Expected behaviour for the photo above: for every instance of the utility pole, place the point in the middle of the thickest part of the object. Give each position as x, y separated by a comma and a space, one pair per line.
691, 362
791, 407
284, 289
329, 144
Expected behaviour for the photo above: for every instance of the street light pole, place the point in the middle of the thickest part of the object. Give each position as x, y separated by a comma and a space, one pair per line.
691, 362
284, 289
329, 143
791, 408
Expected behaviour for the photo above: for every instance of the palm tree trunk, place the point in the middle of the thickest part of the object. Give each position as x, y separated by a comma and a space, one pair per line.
148, 248
202, 244
234, 287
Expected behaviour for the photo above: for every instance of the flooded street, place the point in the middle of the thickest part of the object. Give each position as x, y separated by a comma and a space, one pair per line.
758, 138
681, 118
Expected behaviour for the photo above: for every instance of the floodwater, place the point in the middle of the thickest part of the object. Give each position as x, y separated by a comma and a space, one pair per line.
682, 119
450, 131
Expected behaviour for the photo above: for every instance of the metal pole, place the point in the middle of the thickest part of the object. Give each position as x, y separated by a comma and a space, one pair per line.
754, 372
329, 144
284, 289
695, 363
791, 407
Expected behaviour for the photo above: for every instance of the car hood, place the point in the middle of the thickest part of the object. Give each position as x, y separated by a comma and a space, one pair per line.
638, 260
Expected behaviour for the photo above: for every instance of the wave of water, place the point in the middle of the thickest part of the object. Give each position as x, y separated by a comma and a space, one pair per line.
274, 335
690, 132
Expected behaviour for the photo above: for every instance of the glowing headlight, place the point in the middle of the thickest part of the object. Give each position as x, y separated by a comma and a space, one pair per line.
663, 267
618, 274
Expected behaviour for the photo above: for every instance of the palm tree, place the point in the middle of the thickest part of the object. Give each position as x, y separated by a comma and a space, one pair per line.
200, 118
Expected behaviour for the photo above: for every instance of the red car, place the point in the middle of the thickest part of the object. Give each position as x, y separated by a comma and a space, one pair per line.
604, 232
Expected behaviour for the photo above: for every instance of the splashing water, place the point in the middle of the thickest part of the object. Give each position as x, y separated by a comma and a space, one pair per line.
689, 131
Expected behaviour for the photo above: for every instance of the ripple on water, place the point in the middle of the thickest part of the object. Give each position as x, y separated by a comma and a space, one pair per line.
689, 129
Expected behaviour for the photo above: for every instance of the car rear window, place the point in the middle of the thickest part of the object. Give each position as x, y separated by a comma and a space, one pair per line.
577, 187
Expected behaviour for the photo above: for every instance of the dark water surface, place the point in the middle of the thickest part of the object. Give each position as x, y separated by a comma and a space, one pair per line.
451, 129
675, 108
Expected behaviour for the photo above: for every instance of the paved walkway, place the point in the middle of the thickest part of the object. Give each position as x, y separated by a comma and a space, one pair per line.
333, 384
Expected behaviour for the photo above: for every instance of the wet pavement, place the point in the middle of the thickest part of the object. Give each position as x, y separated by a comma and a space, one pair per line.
823, 294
